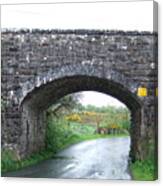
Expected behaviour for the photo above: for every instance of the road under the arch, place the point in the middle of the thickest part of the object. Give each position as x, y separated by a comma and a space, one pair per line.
95, 159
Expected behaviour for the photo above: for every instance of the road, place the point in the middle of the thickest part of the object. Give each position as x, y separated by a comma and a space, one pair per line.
105, 158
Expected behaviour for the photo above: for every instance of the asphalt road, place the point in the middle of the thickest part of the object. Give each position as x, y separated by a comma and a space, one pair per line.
95, 159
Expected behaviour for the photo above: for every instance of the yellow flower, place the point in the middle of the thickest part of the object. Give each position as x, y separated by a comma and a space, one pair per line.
73, 117
114, 126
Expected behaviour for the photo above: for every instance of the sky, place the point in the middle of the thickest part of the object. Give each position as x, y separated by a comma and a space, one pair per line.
110, 15
99, 99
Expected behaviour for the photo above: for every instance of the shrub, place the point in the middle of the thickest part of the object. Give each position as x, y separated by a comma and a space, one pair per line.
73, 117
57, 133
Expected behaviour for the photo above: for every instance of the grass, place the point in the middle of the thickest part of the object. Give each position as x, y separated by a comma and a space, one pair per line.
79, 138
9, 161
143, 170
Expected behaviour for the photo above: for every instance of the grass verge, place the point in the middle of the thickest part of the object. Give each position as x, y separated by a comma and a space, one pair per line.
79, 138
143, 170
10, 163
9, 160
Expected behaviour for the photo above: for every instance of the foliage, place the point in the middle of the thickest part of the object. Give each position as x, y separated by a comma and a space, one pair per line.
9, 162
8, 159
79, 129
65, 104
107, 116
72, 128
143, 170
114, 126
116, 118
73, 117
61, 133
88, 113
57, 132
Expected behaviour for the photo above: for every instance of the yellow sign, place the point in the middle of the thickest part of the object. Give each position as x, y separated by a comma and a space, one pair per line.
142, 91
156, 91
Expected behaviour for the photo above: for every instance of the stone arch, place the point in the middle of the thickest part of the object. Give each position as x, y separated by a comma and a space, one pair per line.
66, 79
79, 69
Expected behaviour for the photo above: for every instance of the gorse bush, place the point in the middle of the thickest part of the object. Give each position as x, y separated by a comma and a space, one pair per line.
73, 117
107, 117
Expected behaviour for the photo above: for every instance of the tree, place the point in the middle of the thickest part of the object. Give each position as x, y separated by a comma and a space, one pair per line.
65, 105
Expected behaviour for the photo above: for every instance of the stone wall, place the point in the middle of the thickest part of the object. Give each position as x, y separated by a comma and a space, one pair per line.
39, 67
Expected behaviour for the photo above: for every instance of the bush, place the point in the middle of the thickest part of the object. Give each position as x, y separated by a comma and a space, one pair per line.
73, 117
57, 133
61, 133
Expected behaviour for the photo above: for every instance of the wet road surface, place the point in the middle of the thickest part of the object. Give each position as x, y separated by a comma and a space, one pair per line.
95, 159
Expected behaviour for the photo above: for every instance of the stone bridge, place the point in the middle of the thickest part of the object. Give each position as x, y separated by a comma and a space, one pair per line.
41, 66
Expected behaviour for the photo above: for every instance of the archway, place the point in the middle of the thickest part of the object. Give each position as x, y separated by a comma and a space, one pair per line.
40, 98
